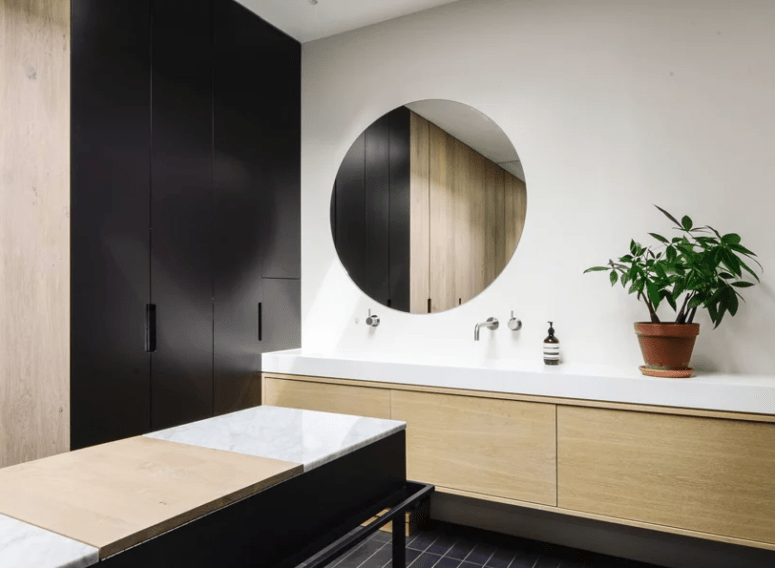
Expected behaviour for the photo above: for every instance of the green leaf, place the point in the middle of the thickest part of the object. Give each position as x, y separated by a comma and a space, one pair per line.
742, 284
597, 269
653, 292
614, 277
726, 275
686, 223
668, 215
660, 238
695, 302
626, 258
740, 248
731, 239
670, 254
671, 301
729, 301
744, 265
624, 279
633, 247
731, 262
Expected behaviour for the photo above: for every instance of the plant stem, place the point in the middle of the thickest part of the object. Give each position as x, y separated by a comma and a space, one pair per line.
650, 306
691, 316
682, 314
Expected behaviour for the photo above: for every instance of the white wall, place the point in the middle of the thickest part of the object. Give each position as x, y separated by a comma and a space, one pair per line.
613, 105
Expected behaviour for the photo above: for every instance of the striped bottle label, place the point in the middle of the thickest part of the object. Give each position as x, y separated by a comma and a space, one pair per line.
552, 351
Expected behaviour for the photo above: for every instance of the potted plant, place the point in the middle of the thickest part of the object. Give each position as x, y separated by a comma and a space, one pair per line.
700, 268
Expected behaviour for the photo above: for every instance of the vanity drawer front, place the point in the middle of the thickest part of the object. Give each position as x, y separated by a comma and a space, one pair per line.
502, 448
361, 401
704, 474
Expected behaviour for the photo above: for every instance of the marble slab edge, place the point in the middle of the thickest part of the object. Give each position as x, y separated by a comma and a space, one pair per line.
23, 545
353, 447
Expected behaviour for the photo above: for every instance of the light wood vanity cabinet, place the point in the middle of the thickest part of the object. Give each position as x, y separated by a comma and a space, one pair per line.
361, 401
503, 448
704, 474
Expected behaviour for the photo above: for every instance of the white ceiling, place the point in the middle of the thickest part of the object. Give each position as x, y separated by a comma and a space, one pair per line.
473, 128
306, 22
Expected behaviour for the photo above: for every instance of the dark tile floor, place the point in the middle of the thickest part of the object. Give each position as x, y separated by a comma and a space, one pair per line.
443, 545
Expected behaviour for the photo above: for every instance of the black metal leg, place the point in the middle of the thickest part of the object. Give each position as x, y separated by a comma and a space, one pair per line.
399, 540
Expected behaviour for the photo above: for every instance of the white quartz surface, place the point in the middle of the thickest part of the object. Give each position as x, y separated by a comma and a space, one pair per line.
300, 436
733, 393
27, 546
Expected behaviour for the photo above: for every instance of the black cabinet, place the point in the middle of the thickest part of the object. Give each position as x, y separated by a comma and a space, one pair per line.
370, 210
185, 195
257, 140
110, 238
182, 211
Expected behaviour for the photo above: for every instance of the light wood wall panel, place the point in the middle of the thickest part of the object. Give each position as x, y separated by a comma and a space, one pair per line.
476, 214
442, 205
34, 229
489, 447
701, 474
419, 219
360, 401
515, 202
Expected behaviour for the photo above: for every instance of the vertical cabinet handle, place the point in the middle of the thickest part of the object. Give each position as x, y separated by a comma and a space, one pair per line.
260, 322
429, 305
150, 328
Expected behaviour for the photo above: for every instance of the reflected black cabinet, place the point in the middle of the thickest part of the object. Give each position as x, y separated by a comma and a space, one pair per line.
185, 196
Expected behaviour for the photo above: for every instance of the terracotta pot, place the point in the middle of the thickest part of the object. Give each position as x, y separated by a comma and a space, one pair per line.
667, 348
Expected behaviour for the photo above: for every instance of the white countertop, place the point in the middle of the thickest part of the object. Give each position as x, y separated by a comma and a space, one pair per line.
300, 436
707, 391
27, 546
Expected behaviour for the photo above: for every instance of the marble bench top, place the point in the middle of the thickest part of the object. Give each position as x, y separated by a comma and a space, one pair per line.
27, 546
301, 436
33, 491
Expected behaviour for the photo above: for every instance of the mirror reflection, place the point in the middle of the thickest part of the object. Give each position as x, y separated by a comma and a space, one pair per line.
428, 206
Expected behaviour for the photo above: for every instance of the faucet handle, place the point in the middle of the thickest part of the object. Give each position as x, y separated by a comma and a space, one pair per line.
514, 323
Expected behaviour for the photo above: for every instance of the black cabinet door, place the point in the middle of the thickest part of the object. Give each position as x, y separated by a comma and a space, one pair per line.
256, 186
281, 314
110, 151
182, 212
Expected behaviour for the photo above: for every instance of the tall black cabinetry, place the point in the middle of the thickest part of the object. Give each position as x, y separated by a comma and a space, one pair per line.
370, 210
185, 204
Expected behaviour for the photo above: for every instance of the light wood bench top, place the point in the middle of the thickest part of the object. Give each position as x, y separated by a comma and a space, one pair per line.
119, 494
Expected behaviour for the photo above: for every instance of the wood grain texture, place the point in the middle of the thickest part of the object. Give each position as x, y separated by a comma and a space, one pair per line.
119, 494
706, 475
495, 514
442, 213
34, 229
419, 215
359, 401
515, 203
492, 447
573, 402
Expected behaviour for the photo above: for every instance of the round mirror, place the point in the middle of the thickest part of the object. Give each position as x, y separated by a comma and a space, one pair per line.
428, 206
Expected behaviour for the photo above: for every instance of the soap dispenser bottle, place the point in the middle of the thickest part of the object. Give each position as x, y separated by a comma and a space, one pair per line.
551, 348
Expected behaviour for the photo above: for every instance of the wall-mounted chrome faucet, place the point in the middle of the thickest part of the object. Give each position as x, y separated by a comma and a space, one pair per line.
491, 323
514, 323
373, 321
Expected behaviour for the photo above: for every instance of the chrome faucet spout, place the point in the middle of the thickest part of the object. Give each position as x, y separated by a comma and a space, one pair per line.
491, 323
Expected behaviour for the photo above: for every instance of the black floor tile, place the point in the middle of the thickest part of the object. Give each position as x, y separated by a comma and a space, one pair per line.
501, 558
425, 560
481, 554
381, 536
358, 555
524, 560
447, 562
442, 544
411, 555
547, 562
463, 545
383, 556
470, 565
423, 540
